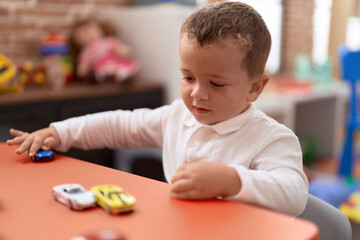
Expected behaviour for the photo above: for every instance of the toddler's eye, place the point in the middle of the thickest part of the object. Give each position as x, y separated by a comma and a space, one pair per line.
187, 78
217, 84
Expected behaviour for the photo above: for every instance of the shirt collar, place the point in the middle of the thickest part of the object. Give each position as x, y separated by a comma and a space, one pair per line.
190, 121
227, 126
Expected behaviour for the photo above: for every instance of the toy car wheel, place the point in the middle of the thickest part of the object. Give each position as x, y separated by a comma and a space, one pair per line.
69, 205
108, 209
54, 194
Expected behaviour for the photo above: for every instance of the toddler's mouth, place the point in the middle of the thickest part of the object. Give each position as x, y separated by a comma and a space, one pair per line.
200, 110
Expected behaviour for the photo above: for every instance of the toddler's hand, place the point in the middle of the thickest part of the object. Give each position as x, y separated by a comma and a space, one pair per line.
46, 138
204, 180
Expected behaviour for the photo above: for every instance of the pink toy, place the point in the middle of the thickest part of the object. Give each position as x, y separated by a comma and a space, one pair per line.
97, 50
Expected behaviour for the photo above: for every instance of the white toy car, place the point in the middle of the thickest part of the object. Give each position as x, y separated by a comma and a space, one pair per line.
74, 196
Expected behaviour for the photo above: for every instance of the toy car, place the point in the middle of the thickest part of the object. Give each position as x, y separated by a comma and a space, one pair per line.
74, 196
43, 156
113, 199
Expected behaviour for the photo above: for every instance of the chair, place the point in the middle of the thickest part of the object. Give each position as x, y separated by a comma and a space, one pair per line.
143, 162
332, 223
350, 71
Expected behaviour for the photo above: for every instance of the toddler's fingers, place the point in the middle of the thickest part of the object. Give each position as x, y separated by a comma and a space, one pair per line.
182, 185
24, 146
16, 133
174, 178
48, 143
14, 141
180, 174
191, 194
19, 137
35, 146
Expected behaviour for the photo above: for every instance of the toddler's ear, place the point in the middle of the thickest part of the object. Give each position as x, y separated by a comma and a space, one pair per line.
258, 84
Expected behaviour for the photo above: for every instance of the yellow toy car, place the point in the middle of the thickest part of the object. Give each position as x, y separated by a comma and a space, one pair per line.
113, 199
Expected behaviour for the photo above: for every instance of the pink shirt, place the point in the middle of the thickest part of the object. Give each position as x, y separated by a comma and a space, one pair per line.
266, 154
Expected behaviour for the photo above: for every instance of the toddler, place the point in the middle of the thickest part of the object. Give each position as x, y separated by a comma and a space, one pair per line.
216, 143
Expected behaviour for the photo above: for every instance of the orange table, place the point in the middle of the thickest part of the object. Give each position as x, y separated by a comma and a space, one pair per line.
28, 210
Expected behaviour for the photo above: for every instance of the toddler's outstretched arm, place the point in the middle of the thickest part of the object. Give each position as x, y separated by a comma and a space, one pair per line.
46, 138
204, 180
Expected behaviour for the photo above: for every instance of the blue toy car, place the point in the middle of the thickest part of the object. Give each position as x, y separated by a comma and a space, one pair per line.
44, 156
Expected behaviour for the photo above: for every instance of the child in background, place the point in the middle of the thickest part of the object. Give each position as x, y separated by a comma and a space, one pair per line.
97, 50
216, 143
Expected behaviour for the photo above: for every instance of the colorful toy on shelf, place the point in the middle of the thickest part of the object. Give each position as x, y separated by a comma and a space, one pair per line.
74, 196
113, 199
351, 208
32, 73
55, 72
8, 72
55, 58
54, 43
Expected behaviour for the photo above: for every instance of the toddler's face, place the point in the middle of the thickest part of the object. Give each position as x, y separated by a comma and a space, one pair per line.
213, 87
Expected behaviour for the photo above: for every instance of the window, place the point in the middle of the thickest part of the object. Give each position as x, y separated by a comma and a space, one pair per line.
321, 21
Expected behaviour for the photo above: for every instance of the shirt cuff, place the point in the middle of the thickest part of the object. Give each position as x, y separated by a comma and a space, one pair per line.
60, 130
245, 180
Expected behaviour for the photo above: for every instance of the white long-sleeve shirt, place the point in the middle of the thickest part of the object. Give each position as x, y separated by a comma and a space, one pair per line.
266, 155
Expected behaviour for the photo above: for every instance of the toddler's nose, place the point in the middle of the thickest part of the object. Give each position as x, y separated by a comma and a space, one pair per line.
200, 92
